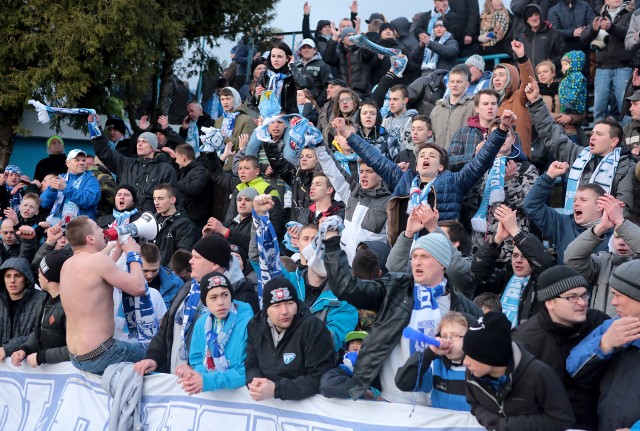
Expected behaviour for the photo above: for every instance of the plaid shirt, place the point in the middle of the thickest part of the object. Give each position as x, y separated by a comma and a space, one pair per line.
463, 146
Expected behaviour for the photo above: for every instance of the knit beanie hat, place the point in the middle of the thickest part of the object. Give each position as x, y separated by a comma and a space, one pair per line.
321, 24
130, 189
626, 279
117, 123
386, 25
489, 340
556, 280
211, 280
249, 192
278, 290
345, 31
475, 60
51, 265
54, 138
529, 10
437, 245
151, 139
215, 249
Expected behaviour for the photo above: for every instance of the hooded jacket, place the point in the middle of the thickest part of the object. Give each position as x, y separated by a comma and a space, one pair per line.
513, 97
407, 40
13, 333
353, 63
242, 123
297, 363
392, 297
532, 399
572, 91
551, 343
142, 173
379, 137
545, 44
399, 126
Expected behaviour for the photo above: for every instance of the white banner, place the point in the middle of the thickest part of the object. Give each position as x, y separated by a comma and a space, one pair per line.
61, 398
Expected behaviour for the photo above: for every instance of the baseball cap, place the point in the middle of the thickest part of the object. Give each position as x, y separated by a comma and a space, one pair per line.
309, 42
75, 153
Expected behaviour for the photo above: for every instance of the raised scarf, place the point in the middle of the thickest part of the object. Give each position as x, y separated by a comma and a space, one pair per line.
493, 193
270, 104
314, 252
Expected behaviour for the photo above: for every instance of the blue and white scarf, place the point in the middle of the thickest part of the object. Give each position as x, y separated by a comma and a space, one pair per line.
426, 314
511, 296
46, 113
398, 61
345, 160
417, 196
430, 59
212, 141
602, 175
193, 136
270, 104
493, 193
15, 200
62, 209
228, 123
218, 333
268, 251
434, 17
188, 316
139, 315
122, 217
314, 252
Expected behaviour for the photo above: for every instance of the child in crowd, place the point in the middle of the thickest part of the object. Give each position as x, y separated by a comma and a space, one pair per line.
29, 214
218, 344
572, 93
439, 370
488, 301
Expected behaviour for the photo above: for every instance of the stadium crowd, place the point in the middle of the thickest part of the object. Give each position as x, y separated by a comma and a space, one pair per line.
376, 214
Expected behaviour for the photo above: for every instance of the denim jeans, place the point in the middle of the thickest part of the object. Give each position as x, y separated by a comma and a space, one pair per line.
120, 352
606, 82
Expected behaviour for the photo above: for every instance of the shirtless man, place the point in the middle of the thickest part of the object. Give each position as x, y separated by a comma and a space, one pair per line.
86, 292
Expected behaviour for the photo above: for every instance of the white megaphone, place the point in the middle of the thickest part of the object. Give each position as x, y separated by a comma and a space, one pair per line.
145, 227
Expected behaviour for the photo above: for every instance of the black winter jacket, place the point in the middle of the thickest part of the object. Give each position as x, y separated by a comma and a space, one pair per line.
14, 333
354, 65
195, 191
532, 399
293, 82
49, 339
204, 120
296, 365
175, 232
614, 55
545, 44
551, 343
317, 72
391, 297
488, 278
143, 174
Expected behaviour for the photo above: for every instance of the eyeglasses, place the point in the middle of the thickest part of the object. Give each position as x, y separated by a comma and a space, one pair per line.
574, 298
345, 99
452, 337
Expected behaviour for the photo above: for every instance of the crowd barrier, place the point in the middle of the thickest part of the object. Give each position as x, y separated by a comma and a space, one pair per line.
59, 397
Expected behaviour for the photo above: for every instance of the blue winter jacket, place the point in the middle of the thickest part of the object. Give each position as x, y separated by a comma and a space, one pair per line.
235, 352
341, 317
561, 229
86, 196
170, 283
450, 187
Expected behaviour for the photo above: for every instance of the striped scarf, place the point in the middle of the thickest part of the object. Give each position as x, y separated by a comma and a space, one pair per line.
511, 296
228, 123
602, 175
218, 333
268, 251
493, 193
188, 316
430, 59
417, 196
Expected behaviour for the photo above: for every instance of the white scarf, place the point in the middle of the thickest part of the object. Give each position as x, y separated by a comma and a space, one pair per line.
510, 300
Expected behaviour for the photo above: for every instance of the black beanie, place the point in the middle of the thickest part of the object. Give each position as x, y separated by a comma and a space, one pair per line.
211, 280
489, 340
131, 190
529, 10
556, 280
215, 249
51, 265
386, 25
277, 290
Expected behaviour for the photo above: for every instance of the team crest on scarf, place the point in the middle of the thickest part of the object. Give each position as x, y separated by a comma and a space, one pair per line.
288, 358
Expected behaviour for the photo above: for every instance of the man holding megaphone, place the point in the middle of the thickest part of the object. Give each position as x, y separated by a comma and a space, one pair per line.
86, 292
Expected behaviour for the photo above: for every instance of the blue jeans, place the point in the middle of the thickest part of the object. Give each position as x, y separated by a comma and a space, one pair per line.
606, 82
119, 352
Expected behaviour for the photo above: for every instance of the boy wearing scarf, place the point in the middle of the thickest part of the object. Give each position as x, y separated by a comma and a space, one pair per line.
517, 282
218, 347
234, 120
605, 162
